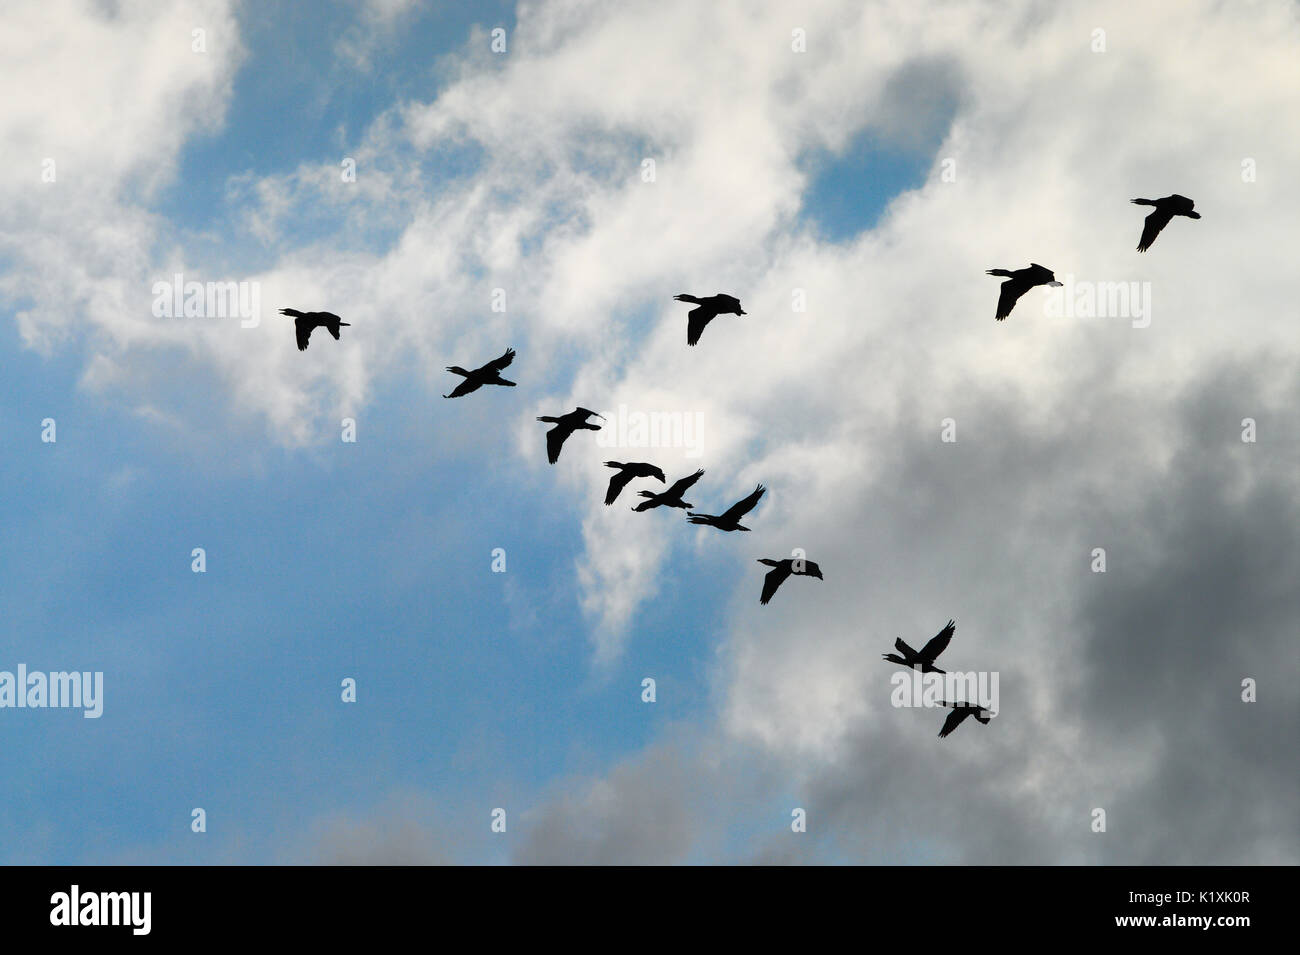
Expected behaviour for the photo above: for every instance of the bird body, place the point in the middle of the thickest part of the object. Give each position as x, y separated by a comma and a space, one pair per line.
924, 658
305, 323
626, 472
1018, 283
782, 569
959, 713
565, 425
489, 374
1165, 210
671, 497
706, 310
729, 520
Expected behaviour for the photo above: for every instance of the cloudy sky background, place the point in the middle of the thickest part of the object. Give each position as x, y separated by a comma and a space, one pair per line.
775, 170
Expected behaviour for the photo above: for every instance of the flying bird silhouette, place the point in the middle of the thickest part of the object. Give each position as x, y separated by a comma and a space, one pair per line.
671, 497
489, 374
1018, 283
705, 311
565, 425
305, 322
781, 569
1166, 209
924, 658
626, 472
729, 520
959, 712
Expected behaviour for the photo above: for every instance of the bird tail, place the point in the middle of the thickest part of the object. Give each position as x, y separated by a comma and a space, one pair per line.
291, 312
687, 298
1003, 272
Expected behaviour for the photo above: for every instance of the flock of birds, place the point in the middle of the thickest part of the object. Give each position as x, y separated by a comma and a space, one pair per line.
1017, 283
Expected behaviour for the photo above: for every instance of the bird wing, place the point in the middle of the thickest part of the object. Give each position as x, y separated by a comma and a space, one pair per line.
555, 440
696, 319
616, 484
954, 720
464, 387
743, 507
938, 644
681, 486
903, 648
774, 578
496, 364
1154, 223
1007, 298
303, 327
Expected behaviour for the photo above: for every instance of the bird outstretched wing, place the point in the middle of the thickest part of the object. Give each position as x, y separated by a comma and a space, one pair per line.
496, 364
555, 440
773, 579
619, 481
954, 720
681, 486
743, 507
938, 643
1154, 223
696, 319
1007, 297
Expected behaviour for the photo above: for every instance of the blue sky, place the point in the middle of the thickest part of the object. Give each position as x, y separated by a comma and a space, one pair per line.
783, 174
368, 560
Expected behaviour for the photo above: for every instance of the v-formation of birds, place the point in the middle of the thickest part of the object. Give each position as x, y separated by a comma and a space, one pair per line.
1017, 283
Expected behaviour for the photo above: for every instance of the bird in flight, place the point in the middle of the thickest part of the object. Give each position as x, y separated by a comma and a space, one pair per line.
626, 472
924, 658
781, 569
959, 712
671, 497
565, 425
705, 311
1018, 283
305, 322
729, 520
489, 374
1166, 209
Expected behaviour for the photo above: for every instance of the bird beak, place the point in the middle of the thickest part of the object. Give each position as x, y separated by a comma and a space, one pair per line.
1054, 284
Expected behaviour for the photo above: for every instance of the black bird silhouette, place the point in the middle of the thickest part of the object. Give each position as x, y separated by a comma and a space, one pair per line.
489, 374
565, 425
924, 658
1018, 283
729, 520
959, 712
1166, 209
305, 322
706, 310
781, 569
671, 497
626, 472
